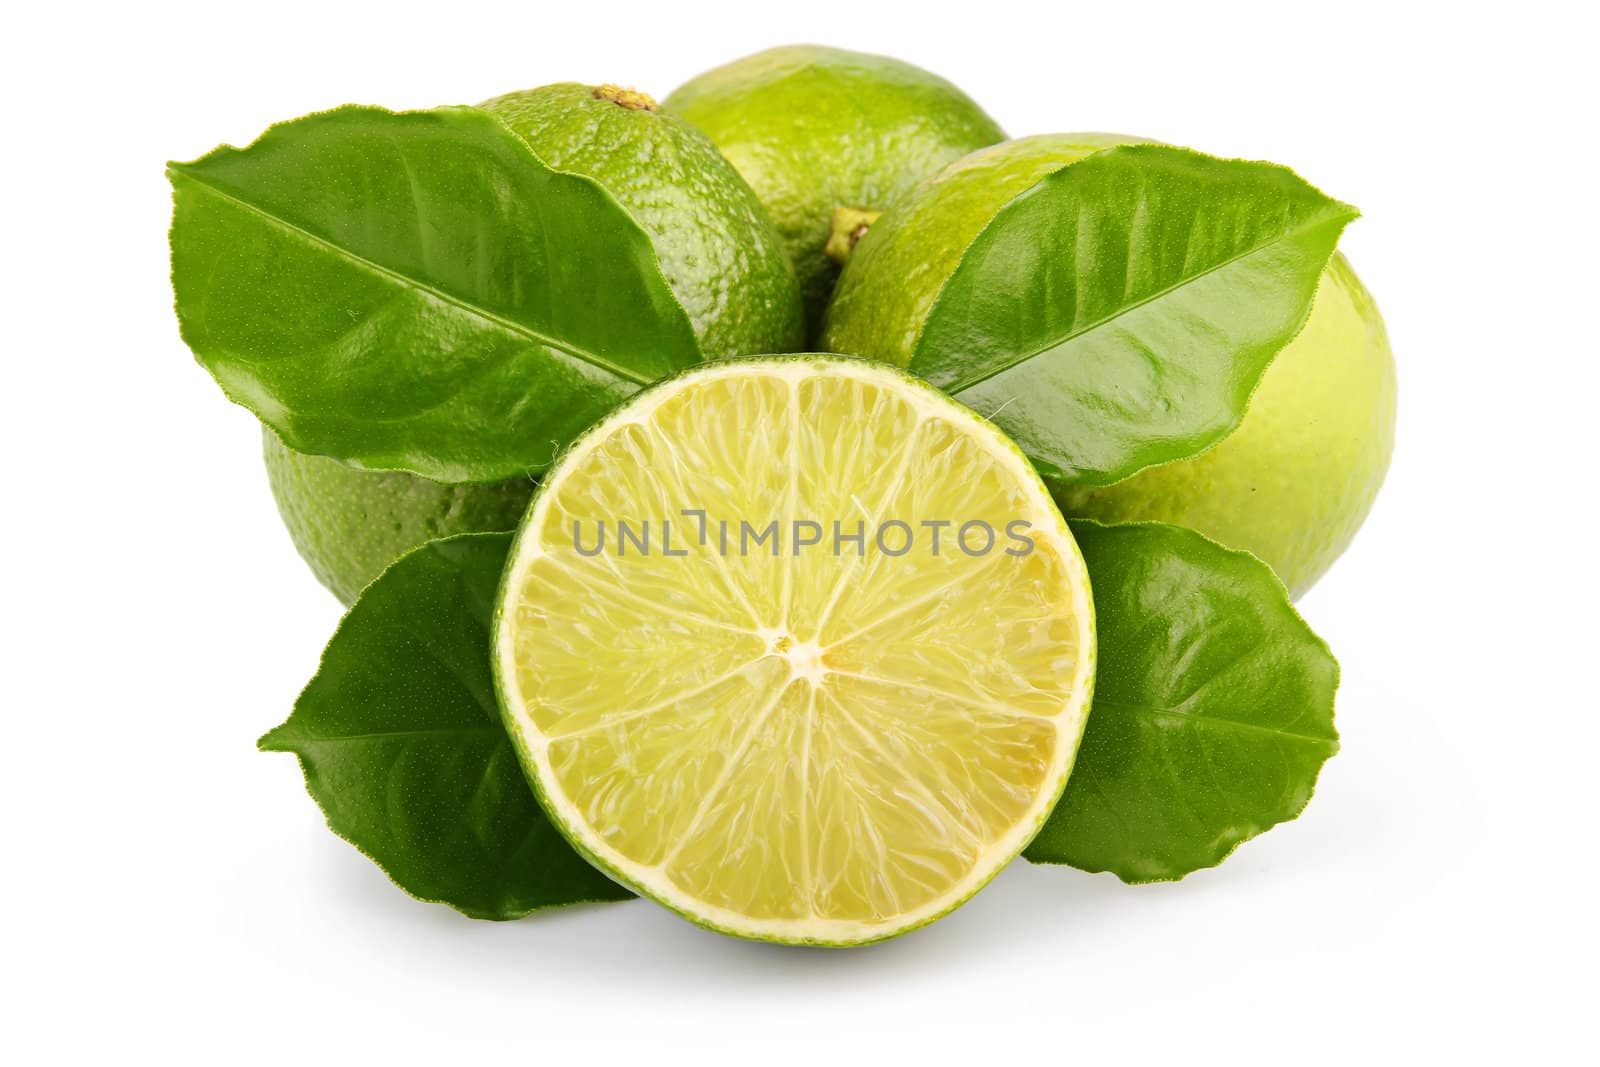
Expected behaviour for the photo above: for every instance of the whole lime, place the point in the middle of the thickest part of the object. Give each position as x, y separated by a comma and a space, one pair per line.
717, 246
1295, 481
350, 524
816, 129
717, 249
1292, 484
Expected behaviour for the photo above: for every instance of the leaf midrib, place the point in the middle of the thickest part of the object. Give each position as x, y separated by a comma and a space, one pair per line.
383, 735
1153, 711
1068, 338
509, 325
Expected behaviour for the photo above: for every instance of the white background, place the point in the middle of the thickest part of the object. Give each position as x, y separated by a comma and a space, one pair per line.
173, 893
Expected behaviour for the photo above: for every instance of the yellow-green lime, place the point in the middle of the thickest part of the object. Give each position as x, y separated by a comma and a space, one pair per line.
815, 129
1292, 484
718, 251
800, 740
1297, 478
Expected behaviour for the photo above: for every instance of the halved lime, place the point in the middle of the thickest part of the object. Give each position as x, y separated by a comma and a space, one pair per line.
735, 705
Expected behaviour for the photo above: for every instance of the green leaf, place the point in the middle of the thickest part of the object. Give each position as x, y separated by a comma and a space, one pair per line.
400, 739
417, 291
1213, 708
1119, 312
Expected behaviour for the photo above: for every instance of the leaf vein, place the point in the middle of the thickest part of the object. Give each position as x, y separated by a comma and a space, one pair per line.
956, 388
1214, 721
509, 325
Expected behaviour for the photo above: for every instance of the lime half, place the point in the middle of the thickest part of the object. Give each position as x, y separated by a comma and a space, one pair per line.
798, 647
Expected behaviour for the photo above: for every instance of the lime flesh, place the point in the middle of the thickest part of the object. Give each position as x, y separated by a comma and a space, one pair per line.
803, 746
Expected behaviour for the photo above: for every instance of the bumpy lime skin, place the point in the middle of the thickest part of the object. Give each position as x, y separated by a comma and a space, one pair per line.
814, 128
349, 524
1291, 485
718, 250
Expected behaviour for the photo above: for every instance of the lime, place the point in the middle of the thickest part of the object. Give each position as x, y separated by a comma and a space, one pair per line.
1296, 480
718, 252
814, 129
775, 732
1292, 484
350, 524
895, 271
717, 246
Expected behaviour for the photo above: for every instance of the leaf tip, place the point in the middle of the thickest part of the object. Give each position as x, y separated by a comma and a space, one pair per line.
274, 740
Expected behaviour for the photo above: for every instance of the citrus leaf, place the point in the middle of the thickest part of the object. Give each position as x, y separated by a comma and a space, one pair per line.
1213, 708
400, 738
1119, 312
417, 291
